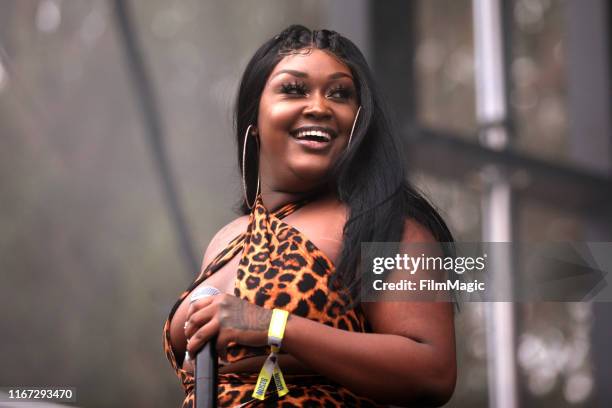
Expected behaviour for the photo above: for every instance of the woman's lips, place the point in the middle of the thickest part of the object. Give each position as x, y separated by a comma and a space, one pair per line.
310, 144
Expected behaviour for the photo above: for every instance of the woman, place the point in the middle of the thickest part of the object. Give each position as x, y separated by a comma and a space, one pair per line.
322, 172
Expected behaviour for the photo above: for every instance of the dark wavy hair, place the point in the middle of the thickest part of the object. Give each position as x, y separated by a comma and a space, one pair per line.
370, 177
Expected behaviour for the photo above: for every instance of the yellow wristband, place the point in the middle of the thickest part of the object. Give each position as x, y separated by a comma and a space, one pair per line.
276, 331
271, 369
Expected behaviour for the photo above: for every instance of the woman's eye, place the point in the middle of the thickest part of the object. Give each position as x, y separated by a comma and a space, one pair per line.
293, 89
342, 93
297, 88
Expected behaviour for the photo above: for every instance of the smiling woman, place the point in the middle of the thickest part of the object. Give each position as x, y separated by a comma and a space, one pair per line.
322, 173
306, 113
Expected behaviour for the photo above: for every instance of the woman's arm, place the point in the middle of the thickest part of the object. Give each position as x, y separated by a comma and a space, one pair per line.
396, 367
410, 357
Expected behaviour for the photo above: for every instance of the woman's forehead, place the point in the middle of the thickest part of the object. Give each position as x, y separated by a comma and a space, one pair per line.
316, 61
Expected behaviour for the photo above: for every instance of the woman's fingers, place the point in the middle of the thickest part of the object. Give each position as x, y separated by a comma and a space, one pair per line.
202, 336
233, 319
198, 319
199, 304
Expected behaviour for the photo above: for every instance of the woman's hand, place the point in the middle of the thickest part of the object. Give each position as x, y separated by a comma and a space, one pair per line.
230, 318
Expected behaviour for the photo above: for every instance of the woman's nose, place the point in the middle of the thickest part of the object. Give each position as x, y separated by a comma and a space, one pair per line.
318, 106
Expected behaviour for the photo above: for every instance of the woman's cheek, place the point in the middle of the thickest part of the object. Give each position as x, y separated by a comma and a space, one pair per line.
282, 115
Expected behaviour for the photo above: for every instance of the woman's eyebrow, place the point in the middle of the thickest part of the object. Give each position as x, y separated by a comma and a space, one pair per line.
301, 74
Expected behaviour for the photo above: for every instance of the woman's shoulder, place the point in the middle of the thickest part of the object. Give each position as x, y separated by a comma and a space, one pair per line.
416, 232
224, 236
419, 239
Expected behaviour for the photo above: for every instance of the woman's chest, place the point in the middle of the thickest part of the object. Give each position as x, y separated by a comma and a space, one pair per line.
223, 280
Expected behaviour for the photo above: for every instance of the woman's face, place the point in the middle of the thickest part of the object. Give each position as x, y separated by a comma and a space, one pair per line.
305, 117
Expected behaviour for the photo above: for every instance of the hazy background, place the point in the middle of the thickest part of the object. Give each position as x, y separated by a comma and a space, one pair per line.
90, 262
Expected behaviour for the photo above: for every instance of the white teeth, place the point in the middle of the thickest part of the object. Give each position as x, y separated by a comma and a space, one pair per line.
318, 133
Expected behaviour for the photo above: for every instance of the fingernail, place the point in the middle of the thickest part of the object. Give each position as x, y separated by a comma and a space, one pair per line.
187, 356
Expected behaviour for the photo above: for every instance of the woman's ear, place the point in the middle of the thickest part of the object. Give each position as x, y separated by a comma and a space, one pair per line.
255, 132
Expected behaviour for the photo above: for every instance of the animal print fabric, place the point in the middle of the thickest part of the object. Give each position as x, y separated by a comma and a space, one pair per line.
279, 268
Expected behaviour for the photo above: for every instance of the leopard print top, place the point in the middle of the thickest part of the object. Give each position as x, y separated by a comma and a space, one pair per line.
279, 268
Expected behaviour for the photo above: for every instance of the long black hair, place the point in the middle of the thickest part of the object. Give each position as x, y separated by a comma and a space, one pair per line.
370, 177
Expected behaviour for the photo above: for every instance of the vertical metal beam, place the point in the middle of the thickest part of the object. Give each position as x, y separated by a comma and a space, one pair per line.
393, 48
155, 132
589, 69
497, 201
589, 86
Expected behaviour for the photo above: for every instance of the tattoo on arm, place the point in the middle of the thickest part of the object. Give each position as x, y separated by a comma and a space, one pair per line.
244, 316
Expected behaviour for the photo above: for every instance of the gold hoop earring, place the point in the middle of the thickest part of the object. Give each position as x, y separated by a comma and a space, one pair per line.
353, 128
244, 186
